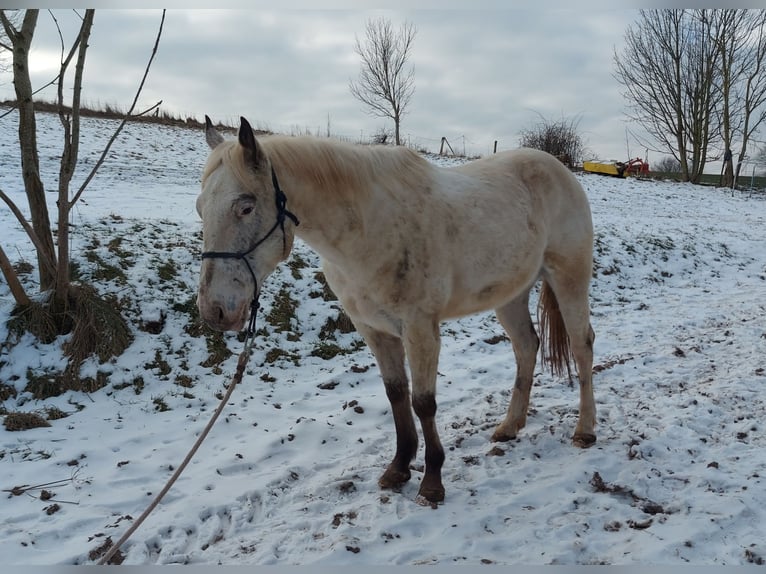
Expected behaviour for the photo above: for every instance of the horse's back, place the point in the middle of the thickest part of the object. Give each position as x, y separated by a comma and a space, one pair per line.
534, 181
536, 170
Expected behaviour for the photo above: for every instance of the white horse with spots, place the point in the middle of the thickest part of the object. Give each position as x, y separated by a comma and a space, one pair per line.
405, 245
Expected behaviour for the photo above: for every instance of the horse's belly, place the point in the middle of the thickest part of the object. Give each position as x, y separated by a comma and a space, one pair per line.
469, 297
488, 298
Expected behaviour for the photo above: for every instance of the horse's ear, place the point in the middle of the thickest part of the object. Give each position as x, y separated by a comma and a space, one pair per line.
211, 134
247, 140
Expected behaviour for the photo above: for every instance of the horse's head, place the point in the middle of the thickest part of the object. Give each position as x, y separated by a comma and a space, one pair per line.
243, 227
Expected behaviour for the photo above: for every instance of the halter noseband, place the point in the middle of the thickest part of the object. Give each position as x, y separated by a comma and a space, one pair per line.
282, 212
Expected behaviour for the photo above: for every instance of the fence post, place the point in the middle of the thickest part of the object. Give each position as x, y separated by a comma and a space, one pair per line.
441, 149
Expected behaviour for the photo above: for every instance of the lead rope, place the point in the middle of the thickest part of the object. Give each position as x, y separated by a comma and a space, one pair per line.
241, 363
282, 213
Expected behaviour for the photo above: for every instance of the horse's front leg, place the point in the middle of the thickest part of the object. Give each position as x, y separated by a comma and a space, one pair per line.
422, 343
389, 354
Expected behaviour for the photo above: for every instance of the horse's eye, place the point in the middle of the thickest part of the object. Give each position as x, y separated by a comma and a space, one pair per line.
244, 205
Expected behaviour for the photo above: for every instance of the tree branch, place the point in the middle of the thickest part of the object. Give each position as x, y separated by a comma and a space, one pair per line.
17, 289
29, 230
128, 115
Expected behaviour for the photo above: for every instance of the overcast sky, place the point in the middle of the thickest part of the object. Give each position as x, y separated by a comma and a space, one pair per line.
480, 75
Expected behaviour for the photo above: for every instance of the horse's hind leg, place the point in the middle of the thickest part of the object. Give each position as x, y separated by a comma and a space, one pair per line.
570, 287
389, 354
515, 319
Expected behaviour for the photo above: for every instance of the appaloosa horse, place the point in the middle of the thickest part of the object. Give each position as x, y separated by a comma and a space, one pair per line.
406, 244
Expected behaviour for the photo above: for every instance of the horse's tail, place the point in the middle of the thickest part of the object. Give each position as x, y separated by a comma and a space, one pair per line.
554, 341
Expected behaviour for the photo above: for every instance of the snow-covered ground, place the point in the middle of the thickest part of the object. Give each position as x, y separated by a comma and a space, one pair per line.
289, 473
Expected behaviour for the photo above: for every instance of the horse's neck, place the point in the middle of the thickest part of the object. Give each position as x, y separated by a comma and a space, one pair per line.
322, 191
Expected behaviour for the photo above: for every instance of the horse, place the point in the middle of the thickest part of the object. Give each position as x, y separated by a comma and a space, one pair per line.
405, 245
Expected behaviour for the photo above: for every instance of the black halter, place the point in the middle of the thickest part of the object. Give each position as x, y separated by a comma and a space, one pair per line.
282, 212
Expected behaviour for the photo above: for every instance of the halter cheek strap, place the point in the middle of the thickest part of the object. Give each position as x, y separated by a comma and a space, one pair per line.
282, 213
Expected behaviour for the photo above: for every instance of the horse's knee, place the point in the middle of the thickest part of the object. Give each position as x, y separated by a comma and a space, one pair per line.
424, 405
397, 390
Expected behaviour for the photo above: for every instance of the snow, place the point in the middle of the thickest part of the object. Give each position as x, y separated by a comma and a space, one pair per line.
288, 476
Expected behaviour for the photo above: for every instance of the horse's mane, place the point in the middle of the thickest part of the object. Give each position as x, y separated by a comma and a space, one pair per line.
335, 166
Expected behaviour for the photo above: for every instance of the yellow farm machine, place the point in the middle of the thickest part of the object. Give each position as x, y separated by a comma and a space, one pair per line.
632, 167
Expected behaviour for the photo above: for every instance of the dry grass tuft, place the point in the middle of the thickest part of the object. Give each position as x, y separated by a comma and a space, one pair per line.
17, 421
96, 326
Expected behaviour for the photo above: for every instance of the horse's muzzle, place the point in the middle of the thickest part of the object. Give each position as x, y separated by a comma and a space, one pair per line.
220, 316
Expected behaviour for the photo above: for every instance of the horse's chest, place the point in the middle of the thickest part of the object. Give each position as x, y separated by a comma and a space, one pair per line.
384, 296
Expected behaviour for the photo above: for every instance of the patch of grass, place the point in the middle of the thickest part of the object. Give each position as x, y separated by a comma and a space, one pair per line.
282, 310
341, 322
160, 405
23, 267
99, 327
35, 318
217, 351
184, 381
327, 350
661, 243
189, 307
96, 326
159, 363
296, 263
167, 271
125, 257
325, 292
275, 354
137, 384
43, 386
51, 384
104, 271
54, 413
17, 421
7, 392
195, 327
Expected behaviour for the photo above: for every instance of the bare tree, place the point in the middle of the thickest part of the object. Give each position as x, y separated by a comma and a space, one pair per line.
385, 83
559, 138
668, 70
667, 165
742, 83
53, 264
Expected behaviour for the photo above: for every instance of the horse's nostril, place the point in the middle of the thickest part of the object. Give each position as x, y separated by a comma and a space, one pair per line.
219, 312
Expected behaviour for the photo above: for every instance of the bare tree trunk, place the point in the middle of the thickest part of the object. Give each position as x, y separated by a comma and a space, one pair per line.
17, 290
30, 163
726, 28
69, 155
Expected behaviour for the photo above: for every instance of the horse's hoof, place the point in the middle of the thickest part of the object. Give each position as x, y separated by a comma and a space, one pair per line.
584, 440
393, 478
502, 436
431, 496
